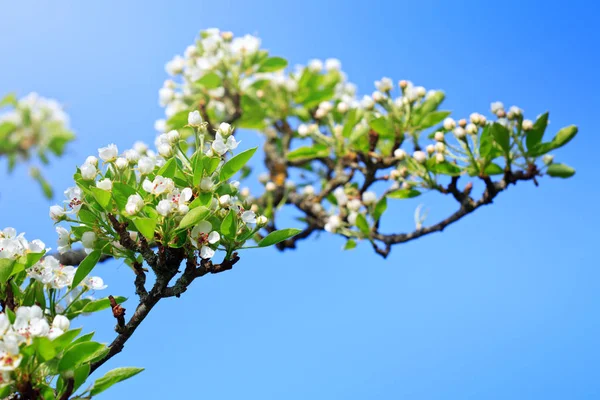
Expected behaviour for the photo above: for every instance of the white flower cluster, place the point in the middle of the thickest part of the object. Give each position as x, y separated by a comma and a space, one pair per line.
349, 206
29, 323
37, 121
14, 246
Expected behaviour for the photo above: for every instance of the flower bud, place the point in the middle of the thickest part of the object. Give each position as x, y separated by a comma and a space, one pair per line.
173, 136
440, 147
57, 213
420, 156
225, 200
263, 178
132, 156
497, 107
108, 153
439, 157
369, 198
394, 174
146, 165
471, 129
548, 159
261, 220
194, 118
449, 124
140, 147
342, 107
303, 130
333, 64
460, 133
354, 205
121, 163
308, 190
377, 96
61, 322
165, 150
206, 184
134, 204
527, 125
430, 149
439, 136
92, 161
367, 103
270, 186
399, 154
88, 172
104, 184
224, 129
88, 239
315, 65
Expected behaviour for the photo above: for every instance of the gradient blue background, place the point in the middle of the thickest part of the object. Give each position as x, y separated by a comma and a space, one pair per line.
502, 305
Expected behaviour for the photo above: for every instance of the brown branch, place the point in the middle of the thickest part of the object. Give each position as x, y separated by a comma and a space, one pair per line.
118, 312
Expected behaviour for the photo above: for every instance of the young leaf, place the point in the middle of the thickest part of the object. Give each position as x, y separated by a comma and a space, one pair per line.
350, 244
85, 267
535, 135
111, 377
272, 64
501, 135
228, 225
382, 126
146, 226
6, 268
210, 81
194, 216
380, 208
308, 152
278, 236
560, 171
79, 354
363, 225
403, 194
236, 163
102, 197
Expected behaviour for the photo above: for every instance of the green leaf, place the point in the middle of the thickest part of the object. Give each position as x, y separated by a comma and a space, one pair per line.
85, 267
351, 121
45, 348
501, 135
168, 170
111, 377
278, 236
404, 194
350, 244
444, 168
563, 137
228, 225
101, 304
535, 135
380, 208
6, 269
178, 120
560, 171
493, 169
80, 375
210, 81
317, 96
198, 162
236, 163
64, 340
486, 142
382, 126
146, 226
308, 152
433, 118
79, 354
102, 197
193, 216
6, 128
272, 64
121, 193
9, 100
363, 224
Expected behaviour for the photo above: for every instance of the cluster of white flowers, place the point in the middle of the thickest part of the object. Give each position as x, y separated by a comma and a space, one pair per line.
36, 121
14, 246
30, 322
348, 206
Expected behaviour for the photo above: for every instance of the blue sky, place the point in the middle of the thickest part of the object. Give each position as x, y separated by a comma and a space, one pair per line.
503, 304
